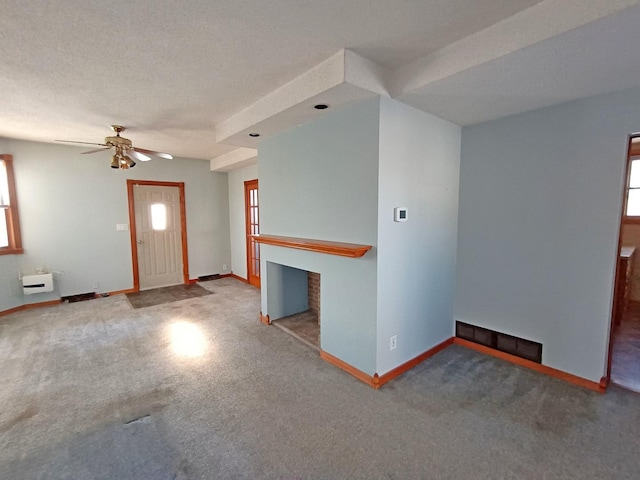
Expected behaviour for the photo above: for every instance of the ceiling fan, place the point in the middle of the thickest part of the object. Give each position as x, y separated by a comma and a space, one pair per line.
123, 148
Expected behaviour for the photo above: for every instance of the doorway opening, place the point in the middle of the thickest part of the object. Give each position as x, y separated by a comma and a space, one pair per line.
252, 222
158, 229
624, 339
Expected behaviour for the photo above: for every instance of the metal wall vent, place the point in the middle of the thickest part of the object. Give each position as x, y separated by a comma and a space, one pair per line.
519, 347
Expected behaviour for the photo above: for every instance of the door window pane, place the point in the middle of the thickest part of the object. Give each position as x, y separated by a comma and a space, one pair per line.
159, 216
633, 203
634, 175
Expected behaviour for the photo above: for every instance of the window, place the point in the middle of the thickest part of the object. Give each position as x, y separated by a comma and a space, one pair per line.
10, 241
633, 188
159, 216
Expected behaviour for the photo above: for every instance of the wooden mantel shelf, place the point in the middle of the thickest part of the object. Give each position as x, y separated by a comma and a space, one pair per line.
352, 250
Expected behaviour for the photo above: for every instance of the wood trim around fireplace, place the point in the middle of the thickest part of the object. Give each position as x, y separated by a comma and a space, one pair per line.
399, 370
265, 319
350, 369
376, 381
351, 250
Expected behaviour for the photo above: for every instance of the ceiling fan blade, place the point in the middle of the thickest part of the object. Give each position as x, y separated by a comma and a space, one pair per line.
154, 153
84, 143
140, 156
96, 150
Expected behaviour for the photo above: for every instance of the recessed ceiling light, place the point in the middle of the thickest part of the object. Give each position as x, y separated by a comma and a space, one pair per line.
321, 106
254, 134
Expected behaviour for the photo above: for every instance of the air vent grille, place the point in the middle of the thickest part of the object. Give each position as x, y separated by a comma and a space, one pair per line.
519, 347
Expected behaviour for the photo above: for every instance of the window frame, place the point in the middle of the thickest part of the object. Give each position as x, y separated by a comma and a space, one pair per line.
11, 214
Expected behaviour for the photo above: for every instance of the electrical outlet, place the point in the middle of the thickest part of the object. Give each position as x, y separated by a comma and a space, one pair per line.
224, 267
393, 342
96, 286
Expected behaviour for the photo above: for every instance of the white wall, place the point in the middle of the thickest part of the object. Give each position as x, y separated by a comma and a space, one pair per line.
540, 200
236, 218
419, 169
69, 206
320, 181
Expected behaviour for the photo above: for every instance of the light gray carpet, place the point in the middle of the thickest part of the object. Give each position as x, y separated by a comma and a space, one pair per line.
98, 390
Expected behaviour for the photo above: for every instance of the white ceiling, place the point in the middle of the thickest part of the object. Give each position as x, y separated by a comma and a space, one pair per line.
175, 72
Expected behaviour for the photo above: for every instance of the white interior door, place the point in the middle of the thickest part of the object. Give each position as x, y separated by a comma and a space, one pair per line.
158, 235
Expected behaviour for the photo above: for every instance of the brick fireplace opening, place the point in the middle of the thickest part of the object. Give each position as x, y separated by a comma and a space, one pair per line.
297, 295
313, 280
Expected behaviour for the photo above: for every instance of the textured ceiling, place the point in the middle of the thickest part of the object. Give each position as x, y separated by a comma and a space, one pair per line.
594, 58
172, 71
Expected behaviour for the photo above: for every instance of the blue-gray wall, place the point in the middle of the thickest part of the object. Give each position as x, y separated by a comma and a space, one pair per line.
237, 227
419, 169
540, 201
69, 205
339, 178
320, 181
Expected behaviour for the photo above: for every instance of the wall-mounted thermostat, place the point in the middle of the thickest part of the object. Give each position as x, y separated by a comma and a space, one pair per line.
400, 214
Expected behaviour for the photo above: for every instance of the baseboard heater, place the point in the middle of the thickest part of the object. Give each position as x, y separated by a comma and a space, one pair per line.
37, 283
519, 347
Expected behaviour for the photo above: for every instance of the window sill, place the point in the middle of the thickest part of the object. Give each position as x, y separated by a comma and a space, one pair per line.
11, 251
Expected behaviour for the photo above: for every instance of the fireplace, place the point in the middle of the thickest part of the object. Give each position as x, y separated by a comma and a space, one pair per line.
294, 305
302, 277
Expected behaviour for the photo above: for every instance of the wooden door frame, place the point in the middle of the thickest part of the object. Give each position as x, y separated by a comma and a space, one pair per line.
604, 382
247, 227
132, 228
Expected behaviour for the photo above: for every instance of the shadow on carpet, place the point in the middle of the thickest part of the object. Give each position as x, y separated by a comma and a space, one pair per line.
159, 296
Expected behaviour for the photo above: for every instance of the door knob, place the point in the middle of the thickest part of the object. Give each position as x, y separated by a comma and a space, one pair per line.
140, 241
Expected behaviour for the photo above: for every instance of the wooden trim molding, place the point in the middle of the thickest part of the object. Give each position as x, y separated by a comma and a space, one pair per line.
28, 306
265, 319
604, 383
351, 250
233, 275
252, 224
50, 303
633, 149
183, 227
11, 214
376, 381
399, 370
132, 236
553, 372
359, 374
122, 292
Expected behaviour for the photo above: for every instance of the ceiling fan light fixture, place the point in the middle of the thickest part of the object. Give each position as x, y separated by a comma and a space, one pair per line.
129, 162
125, 162
123, 146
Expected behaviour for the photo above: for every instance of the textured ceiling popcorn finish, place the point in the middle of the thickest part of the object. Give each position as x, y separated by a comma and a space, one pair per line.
194, 78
